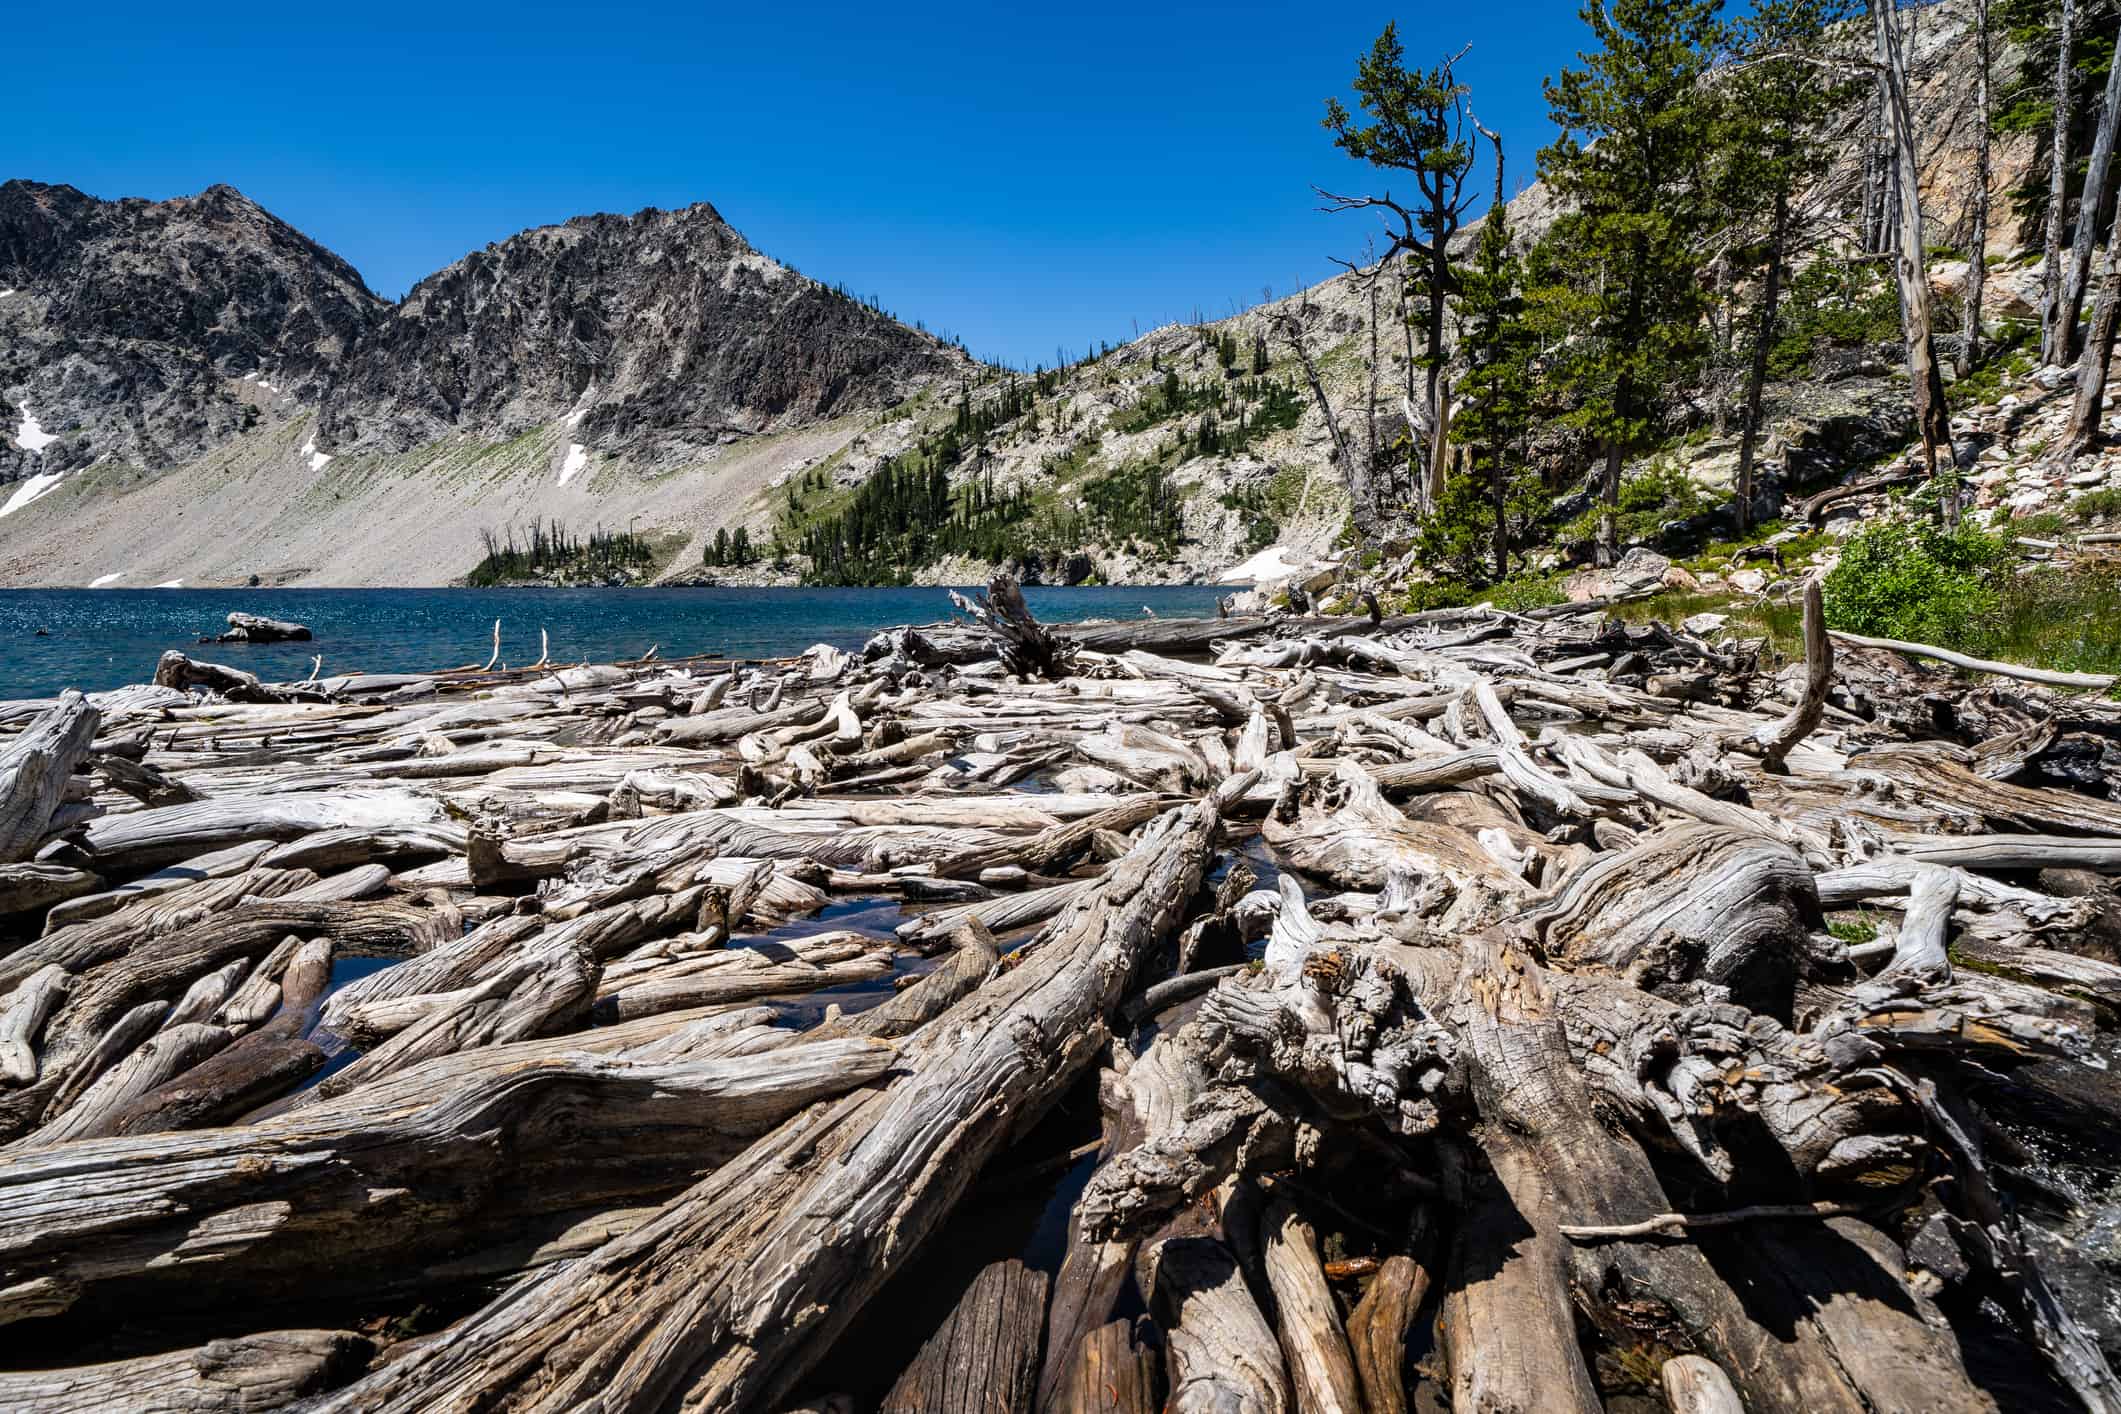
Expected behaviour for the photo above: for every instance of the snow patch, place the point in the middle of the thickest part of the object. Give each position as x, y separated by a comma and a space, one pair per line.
317, 460
577, 459
102, 579
1274, 562
5, 293
581, 407
251, 377
31, 436
171, 584
31, 489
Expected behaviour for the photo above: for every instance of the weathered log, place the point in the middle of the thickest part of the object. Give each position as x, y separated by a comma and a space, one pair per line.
1050, 851
970, 963
1690, 903
1560, 1166
2099, 681
1377, 1331
1321, 1369
1693, 1385
984, 1358
34, 770
741, 974
1026, 647
30, 887
889, 1166
184, 673
1112, 1373
147, 838
217, 1084
348, 1198
237, 1375
1776, 740
1222, 1354
214, 864
549, 991
22, 1019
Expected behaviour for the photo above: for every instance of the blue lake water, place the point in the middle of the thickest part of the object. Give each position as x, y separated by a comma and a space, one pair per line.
104, 638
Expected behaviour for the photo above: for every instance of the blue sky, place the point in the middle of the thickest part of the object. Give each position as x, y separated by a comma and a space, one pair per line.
1026, 177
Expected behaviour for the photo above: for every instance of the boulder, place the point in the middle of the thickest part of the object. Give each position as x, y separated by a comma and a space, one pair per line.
253, 628
1640, 572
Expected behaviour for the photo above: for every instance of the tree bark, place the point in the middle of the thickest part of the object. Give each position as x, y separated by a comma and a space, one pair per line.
1932, 415
1977, 237
350, 1197
984, 1359
1756, 373
2051, 351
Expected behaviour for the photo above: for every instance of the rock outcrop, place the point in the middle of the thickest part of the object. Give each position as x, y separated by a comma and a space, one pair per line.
647, 331
151, 331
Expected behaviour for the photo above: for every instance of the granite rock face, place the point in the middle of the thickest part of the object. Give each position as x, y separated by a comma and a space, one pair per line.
151, 331
661, 330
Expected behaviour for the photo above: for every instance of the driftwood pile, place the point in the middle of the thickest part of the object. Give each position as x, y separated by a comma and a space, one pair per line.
1457, 992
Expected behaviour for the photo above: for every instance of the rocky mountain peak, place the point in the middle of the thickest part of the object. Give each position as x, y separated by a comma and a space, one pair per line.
130, 325
663, 328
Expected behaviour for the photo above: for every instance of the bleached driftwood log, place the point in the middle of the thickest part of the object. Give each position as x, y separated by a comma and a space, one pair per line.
889, 1165
34, 770
351, 1195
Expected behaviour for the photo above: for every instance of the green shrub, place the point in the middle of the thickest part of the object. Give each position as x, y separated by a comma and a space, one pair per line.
2103, 504
1911, 579
1660, 492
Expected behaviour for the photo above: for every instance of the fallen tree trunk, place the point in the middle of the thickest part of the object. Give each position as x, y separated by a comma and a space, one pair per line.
347, 1199
840, 1196
2099, 681
34, 770
984, 1359
233, 1376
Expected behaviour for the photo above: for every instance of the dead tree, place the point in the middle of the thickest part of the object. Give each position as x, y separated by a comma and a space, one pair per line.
2078, 271
1291, 325
1932, 416
2097, 359
1977, 234
1027, 647
2057, 191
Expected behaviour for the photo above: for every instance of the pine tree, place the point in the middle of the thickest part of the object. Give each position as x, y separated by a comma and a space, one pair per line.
1419, 125
740, 546
1486, 506
1772, 144
1631, 165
